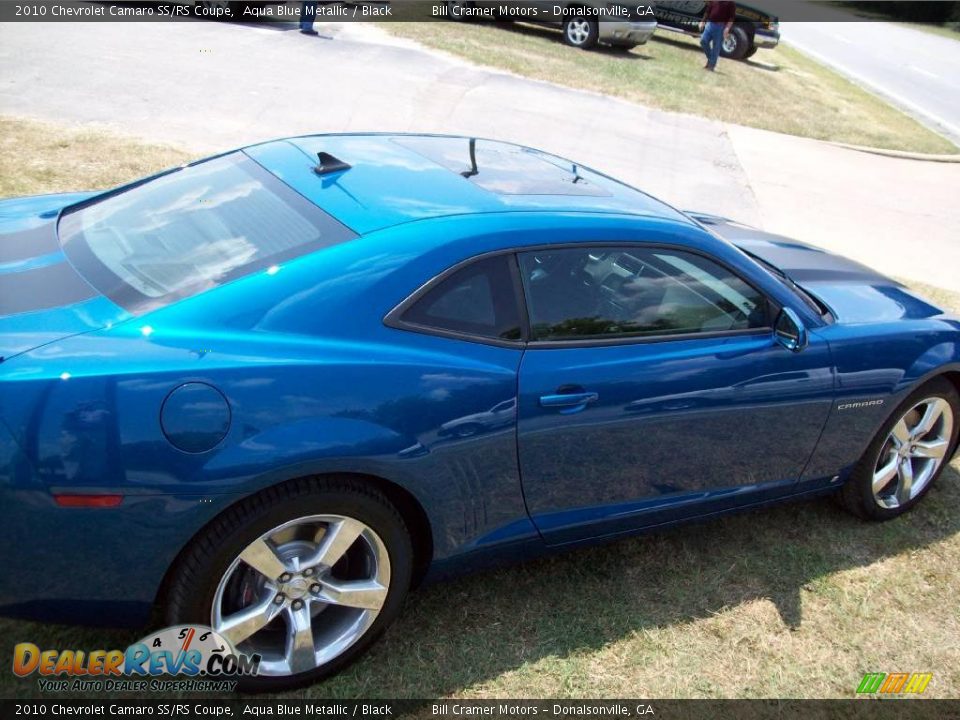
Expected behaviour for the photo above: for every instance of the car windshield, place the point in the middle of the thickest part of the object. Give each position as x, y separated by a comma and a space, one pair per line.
190, 230
812, 302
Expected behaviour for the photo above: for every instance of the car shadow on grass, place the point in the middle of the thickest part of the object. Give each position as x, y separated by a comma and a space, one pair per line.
468, 632
690, 43
455, 635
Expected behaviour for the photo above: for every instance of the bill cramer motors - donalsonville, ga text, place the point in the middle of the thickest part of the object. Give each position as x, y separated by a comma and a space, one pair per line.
518, 11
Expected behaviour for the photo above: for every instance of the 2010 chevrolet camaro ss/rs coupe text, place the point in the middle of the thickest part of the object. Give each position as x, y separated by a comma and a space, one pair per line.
272, 390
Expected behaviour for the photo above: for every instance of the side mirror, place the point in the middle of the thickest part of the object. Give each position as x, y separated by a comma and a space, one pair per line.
789, 330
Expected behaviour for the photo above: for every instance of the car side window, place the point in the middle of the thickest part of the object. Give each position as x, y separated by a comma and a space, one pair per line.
603, 293
478, 299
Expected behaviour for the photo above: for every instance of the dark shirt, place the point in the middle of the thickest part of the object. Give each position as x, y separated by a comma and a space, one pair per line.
721, 11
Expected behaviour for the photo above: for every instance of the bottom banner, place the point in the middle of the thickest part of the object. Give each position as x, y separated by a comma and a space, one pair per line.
449, 709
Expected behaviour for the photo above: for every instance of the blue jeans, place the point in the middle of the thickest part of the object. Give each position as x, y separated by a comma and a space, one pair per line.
710, 41
307, 11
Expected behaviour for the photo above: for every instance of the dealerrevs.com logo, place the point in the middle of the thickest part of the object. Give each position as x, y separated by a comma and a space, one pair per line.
202, 659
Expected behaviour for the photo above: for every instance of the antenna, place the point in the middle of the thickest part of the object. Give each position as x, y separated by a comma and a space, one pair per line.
327, 164
473, 161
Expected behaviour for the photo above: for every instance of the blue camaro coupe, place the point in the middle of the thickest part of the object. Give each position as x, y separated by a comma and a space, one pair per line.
273, 390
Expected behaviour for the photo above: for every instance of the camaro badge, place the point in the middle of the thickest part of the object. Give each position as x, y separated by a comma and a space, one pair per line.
858, 405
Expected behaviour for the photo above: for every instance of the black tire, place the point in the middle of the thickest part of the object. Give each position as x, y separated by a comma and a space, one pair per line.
751, 52
857, 494
197, 574
580, 32
737, 44
451, 4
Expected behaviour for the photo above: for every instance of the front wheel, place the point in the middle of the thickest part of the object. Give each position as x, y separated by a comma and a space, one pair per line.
907, 455
581, 32
307, 575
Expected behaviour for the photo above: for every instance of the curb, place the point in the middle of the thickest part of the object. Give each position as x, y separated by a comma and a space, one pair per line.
902, 154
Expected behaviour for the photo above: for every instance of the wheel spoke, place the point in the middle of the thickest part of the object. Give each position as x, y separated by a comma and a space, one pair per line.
931, 415
336, 541
368, 594
300, 651
904, 488
883, 476
935, 449
238, 627
261, 556
901, 433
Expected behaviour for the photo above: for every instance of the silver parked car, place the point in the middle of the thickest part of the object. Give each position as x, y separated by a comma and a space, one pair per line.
585, 23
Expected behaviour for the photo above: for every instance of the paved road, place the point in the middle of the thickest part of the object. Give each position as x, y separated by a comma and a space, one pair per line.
916, 70
212, 86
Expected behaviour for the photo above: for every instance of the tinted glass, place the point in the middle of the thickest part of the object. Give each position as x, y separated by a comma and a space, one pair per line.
607, 292
478, 299
192, 229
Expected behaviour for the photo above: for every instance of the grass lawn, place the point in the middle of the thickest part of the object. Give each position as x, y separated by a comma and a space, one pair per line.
794, 601
781, 90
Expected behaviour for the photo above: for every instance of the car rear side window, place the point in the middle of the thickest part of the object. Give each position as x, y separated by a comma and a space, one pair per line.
478, 300
603, 293
192, 229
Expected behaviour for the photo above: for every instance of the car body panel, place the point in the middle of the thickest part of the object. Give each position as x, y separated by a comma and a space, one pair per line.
627, 33
43, 297
663, 432
317, 382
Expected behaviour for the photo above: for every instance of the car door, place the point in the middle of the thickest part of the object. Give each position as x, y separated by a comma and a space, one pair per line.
653, 389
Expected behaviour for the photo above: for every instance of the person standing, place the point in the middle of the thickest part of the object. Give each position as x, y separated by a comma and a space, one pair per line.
715, 26
308, 12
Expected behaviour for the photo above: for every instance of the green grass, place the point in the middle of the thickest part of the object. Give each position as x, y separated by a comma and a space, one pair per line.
793, 601
780, 90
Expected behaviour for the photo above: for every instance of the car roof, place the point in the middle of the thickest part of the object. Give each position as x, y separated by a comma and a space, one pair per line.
396, 178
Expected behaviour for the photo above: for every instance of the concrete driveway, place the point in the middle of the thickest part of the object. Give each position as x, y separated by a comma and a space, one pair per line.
210, 86
915, 70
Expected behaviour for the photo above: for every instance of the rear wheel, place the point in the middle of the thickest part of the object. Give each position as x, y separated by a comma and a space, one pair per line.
581, 32
736, 44
907, 455
455, 9
307, 575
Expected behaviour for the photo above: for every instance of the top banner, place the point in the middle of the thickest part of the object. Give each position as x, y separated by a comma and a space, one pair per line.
544, 11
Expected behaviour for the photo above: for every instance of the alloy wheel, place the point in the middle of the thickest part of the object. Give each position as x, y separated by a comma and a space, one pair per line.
578, 31
303, 592
913, 452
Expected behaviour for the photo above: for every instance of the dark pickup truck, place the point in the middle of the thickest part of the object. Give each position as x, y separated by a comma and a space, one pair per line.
752, 29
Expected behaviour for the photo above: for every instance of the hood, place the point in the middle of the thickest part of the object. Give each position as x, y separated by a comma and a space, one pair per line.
42, 297
854, 293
